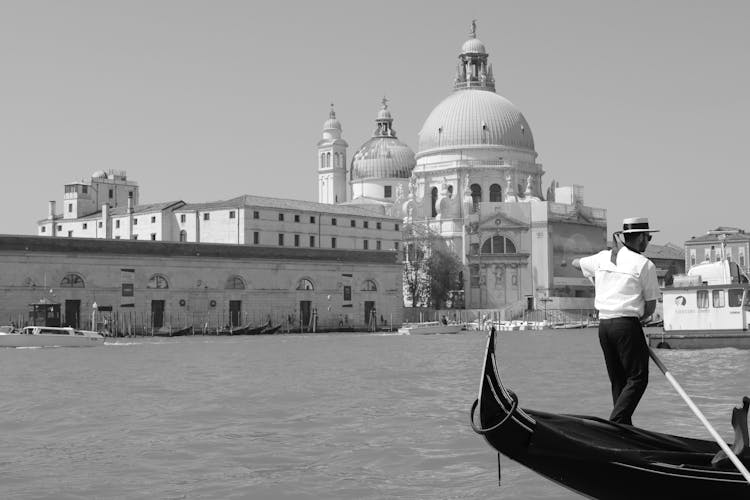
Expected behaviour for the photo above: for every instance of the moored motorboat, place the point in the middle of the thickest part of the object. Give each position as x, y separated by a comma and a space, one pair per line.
601, 459
709, 307
169, 331
429, 327
49, 336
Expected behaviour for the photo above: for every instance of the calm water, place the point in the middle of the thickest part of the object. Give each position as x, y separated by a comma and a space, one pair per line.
328, 416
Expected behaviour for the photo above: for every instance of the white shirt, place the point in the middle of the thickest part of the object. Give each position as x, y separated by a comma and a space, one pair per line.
622, 289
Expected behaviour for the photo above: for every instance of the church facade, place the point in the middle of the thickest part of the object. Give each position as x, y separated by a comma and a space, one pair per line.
476, 183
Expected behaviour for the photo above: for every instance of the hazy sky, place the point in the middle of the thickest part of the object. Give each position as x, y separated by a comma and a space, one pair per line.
645, 104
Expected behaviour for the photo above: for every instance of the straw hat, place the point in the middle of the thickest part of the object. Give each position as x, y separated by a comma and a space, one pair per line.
637, 225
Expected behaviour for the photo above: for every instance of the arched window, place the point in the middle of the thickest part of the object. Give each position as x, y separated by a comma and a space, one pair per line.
496, 193
72, 280
450, 191
158, 281
369, 286
434, 193
498, 244
322, 160
235, 283
476, 196
305, 284
183, 236
328, 160
335, 160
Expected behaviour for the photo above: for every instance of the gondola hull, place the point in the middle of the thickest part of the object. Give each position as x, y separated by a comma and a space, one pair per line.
595, 457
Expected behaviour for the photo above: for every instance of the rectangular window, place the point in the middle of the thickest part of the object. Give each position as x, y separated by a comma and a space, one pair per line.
44, 229
281, 217
333, 242
256, 237
741, 250
365, 244
333, 221
312, 219
206, 216
256, 214
347, 293
135, 222
117, 223
378, 225
353, 223
59, 227
296, 240
702, 299
70, 234
111, 193
153, 236
85, 225
100, 224
153, 219
365, 224
296, 218
692, 257
312, 241
395, 245
735, 297
70, 207
135, 236
718, 298
182, 218
396, 227
378, 245
386, 191
281, 240
84, 189
231, 214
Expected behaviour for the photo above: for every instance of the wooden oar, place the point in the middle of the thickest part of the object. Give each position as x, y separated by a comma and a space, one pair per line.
722, 444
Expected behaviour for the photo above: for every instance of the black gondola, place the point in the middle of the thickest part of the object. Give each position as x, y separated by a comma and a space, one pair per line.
601, 459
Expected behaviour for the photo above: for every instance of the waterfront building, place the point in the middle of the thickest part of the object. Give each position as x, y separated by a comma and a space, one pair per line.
708, 247
669, 260
141, 286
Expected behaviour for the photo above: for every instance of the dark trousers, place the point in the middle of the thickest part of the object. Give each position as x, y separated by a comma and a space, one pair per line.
626, 355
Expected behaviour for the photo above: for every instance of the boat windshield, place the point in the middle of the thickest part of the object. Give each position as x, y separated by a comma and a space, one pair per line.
735, 297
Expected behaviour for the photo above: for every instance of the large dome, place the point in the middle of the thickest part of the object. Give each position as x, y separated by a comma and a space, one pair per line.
472, 117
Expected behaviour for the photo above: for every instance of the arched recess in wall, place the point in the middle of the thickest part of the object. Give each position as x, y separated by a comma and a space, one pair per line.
72, 280
476, 196
305, 284
498, 244
158, 281
369, 286
235, 283
183, 236
496, 193
434, 194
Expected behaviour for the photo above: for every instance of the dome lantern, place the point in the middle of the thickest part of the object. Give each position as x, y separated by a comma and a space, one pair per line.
472, 70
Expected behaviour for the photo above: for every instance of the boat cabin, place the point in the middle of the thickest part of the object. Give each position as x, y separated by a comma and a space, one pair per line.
46, 330
712, 296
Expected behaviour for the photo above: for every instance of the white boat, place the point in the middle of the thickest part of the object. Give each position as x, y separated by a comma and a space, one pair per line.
49, 336
429, 327
709, 307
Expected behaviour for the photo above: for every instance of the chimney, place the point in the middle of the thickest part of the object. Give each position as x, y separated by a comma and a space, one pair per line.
106, 234
130, 202
51, 214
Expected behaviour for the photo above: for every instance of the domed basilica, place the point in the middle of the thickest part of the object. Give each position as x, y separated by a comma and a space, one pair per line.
476, 183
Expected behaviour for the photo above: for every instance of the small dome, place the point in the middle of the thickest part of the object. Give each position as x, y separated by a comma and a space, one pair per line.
473, 46
384, 114
332, 123
384, 158
99, 174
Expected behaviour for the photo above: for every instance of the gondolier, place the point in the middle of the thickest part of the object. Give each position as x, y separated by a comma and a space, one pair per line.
626, 289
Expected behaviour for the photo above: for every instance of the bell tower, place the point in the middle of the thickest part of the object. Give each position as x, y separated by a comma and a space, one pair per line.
332, 162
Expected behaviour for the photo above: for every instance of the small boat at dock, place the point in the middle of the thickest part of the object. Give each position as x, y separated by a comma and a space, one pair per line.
429, 328
49, 336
